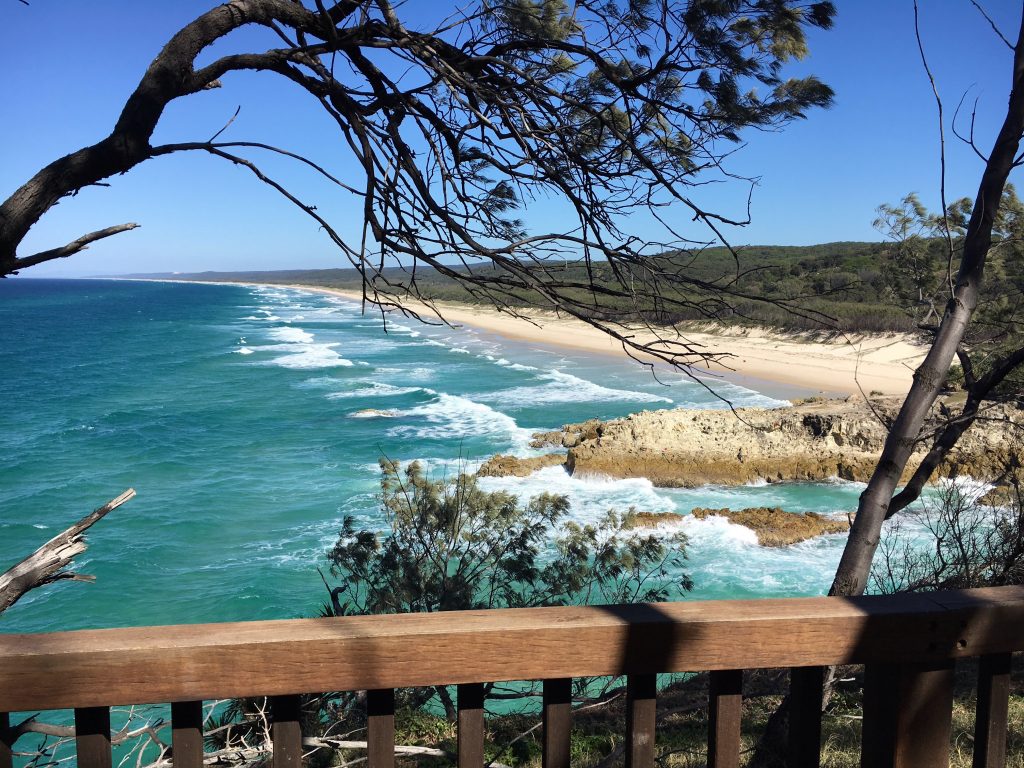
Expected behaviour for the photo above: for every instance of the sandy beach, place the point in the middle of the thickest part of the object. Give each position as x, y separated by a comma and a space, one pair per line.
796, 365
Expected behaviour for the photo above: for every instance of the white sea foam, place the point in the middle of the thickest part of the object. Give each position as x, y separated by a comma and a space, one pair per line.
450, 417
970, 489
291, 335
720, 529
563, 387
460, 350
375, 389
589, 498
243, 351
313, 356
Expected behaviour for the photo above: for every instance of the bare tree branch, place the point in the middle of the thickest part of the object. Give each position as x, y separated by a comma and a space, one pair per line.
610, 110
992, 24
75, 246
46, 564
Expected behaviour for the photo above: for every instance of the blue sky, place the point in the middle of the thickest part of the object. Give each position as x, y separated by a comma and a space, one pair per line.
68, 68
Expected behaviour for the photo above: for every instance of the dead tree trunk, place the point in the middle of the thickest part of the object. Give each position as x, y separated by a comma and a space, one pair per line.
46, 565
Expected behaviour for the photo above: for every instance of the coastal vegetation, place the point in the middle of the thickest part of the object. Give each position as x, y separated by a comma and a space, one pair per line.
840, 286
527, 106
449, 545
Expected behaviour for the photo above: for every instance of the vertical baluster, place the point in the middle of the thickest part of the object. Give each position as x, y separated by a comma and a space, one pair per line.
725, 701
990, 719
879, 706
557, 722
187, 734
380, 726
908, 712
286, 731
641, 704
471, 725
92, 737
6, 741
805, 694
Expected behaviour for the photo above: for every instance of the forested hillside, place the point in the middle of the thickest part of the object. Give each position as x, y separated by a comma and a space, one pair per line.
844, 286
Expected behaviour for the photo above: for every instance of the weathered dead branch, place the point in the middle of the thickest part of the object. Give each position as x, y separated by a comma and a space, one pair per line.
46, 565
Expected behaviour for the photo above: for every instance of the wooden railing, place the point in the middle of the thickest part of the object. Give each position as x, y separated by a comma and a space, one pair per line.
908, 643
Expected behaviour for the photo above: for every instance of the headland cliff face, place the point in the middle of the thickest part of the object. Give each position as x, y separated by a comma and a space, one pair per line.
812, 440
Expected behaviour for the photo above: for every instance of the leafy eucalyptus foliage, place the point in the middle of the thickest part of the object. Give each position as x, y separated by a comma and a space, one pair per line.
450, 545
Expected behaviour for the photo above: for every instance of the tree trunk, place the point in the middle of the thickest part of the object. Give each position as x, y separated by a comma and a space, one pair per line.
855, 566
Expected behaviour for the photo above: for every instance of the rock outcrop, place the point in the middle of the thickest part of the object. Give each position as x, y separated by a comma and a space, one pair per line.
505, 466
651, 519
775, 527
568, 436
814, 440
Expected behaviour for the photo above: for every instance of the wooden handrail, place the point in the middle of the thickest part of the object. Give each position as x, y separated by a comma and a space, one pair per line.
94, 668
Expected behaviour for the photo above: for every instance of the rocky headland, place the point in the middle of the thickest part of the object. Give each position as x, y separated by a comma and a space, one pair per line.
812, 440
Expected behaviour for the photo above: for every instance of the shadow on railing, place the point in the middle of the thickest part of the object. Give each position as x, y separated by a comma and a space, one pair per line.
909, 644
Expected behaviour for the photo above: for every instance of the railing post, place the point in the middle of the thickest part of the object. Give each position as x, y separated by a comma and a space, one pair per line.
6, 741
557, 722
187, 734
92, 737
380, 728
286, 731
990, 718
725, 705
908, 712
471, 725
641, 708
805, 695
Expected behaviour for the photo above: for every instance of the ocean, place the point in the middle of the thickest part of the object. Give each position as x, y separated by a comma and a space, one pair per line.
251, 421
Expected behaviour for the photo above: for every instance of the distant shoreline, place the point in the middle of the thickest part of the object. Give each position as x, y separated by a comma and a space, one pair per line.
777, 364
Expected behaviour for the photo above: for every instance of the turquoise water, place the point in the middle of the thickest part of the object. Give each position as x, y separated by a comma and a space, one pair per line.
240, 416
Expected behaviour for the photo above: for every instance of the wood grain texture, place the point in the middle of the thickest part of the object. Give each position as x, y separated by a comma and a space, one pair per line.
471, 725
6, 759
908, 710
92, 737
725, 703
187, 733
990, 723
286, 731
380, 728
641, 702
557, 715
216, 661
805, 696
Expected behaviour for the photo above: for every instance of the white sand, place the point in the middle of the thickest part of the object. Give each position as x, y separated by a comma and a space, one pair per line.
865, 363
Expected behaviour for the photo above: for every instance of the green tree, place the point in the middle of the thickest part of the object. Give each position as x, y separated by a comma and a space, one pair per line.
923, 248
616, 111
450, 545
914, 268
